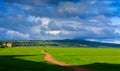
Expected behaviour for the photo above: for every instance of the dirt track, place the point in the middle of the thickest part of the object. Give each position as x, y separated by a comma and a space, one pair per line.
48, 57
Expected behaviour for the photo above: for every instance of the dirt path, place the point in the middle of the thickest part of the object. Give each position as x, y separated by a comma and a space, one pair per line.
49, 58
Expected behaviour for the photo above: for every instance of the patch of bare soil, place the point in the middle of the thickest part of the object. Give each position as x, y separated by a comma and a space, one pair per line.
48, 57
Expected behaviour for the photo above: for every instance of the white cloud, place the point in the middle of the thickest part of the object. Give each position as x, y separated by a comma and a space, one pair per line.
116, 41
45, 21
96, 30
93, 20
31, 18
111, 41
96, 40
37, 20
27, 7
40, 20
102, 18
93, 2
67, 7
53, 32
36, 29
108, 2
115, 21
15, 34
78, 8
117, 31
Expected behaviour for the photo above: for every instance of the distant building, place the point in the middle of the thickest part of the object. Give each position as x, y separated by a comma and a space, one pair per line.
3, 45
9, 44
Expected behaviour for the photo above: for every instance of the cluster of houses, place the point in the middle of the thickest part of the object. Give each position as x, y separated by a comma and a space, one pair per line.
3, 45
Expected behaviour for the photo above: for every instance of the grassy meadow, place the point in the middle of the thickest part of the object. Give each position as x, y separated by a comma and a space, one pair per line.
26, 59
31, 59
96, 59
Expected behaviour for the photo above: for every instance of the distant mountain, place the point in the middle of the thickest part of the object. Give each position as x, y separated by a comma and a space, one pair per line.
84, 43
62, 43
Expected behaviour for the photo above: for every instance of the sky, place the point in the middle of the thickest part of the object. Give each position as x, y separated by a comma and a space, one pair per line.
95, 20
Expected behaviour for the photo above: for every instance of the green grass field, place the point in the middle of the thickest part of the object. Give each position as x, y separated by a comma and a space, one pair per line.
30, 59
97, 59
25, 59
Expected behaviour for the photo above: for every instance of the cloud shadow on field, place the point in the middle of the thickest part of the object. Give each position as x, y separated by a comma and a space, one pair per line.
10, 63
102, 67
